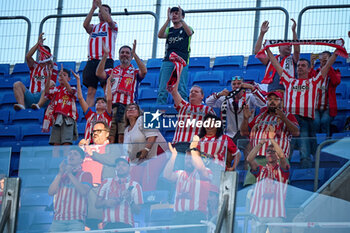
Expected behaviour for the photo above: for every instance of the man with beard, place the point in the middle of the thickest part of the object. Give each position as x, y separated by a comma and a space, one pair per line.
124, 81
192, 186
285, 125
300, 100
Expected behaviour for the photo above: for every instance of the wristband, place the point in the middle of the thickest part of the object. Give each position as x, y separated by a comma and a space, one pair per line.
147, 149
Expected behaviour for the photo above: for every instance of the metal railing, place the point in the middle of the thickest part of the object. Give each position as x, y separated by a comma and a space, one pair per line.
125, 13
313, 8
29, 28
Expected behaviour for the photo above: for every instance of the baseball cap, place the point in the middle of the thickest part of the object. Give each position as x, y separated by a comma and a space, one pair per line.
276, 93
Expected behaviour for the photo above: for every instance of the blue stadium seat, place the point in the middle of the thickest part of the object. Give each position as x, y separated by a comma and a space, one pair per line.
154, 64
21, 71
4, 116
228, 62
229, 74
20, 68
33, 133
341, 91
9, 133
306, 56
27, 116
82, 66
345, 74
147, 96
253, 75
208, 78
7, 101
4, 70
37, 180
254, 63
69, 65
7, 83
340, 135
32, 165
304, 178
36, 199
199, 63
150, 80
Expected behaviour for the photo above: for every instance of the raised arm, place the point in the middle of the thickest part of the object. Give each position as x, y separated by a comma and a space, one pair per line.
161, 33
196, 158
296, 52
274, 62
330, 62
187, 29
247, 113
29, 56
169, 167
87, 25
81, 99
278, 149
48, 81
253, 153
55, 185
175, 93
291, 127
100, 70
140, 64
109, 94
263, 29
105, 15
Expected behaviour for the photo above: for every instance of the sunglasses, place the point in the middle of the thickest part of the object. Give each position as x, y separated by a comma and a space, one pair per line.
98, 131
270, 151
131, 108
237, 78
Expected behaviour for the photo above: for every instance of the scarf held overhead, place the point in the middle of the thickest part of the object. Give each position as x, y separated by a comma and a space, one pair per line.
270, 71
335, 43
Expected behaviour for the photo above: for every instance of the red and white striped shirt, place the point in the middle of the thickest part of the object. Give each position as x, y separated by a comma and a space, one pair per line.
192, 191
259, 126
216, 148
69, 204
64, 102
112, 188
38, 76
102, 33
125, 84
187, 119
92, 166
91, 118
300, 94
268, 200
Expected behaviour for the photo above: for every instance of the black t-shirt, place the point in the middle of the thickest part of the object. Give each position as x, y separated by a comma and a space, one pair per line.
179, 42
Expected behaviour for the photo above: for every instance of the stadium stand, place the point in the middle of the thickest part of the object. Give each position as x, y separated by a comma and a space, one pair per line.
4, 70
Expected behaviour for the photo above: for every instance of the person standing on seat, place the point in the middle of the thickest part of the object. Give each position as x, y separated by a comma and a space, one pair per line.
178, 40
104, 32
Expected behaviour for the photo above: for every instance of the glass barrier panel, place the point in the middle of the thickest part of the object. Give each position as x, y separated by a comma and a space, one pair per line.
5, 158
280, 195
72, 188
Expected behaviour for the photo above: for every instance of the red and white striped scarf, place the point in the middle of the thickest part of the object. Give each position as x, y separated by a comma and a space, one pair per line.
44, 55
179, 65
335, 43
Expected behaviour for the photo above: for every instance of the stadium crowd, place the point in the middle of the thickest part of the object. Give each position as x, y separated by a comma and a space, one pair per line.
104, 186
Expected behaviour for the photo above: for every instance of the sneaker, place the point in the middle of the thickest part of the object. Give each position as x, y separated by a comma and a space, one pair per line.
35, 106
18, 107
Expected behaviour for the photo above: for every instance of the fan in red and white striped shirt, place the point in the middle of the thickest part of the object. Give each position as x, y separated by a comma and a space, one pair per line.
70, 187
119, 197
270, 190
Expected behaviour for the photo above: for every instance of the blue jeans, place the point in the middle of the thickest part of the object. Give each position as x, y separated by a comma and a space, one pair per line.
307, 140
164, 76
322, 122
